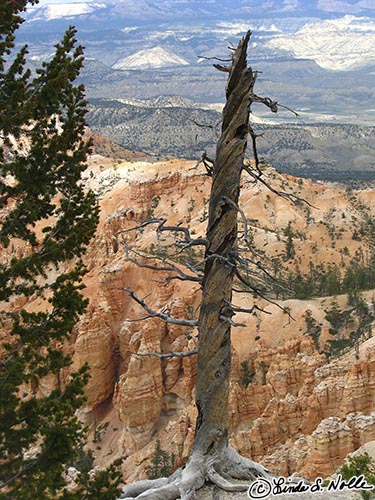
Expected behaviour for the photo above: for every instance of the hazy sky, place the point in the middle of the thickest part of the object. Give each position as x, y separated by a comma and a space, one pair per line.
43, 2
342, 6
323, 4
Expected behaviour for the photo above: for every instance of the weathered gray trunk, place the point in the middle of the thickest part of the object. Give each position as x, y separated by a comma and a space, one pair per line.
212, 459
214, 358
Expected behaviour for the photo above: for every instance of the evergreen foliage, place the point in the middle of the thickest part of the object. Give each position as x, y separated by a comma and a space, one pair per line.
47, 219
327, 280
246, 375
312, 328
349, 326
162, 464
336, 318
357, 466
290, 251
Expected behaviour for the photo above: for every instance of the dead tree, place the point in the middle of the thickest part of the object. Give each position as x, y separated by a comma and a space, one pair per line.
212, 458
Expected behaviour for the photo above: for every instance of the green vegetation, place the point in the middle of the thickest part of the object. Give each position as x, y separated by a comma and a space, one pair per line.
357, 466
289, 245
354, 273
337, 319
154, 204
246, 375
331, 279
312, 328
349, 326
162, 464
47, 221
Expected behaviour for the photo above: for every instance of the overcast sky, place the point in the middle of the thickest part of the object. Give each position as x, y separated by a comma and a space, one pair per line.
43, 2
344, 6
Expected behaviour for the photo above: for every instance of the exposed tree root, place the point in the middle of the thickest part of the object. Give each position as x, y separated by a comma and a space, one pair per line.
228, 470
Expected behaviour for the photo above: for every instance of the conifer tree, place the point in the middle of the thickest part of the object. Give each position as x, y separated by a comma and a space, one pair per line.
161, 463
47, 219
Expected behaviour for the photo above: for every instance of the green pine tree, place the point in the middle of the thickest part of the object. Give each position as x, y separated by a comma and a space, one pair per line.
312, 328
290, 251
47, 219
360, 465
162, 464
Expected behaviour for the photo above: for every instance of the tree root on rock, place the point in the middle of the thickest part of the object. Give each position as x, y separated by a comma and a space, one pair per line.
228, 470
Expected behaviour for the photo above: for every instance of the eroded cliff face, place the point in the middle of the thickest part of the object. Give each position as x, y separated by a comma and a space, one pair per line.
299, 413
313, 413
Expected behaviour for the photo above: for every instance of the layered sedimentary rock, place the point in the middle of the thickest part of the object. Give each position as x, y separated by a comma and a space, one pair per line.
293, 417
312, 420
299, 413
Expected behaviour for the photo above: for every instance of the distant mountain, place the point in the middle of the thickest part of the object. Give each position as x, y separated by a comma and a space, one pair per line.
145, 11
164, 127
174, 127
156, 57
67, 10
317, 56
337, 44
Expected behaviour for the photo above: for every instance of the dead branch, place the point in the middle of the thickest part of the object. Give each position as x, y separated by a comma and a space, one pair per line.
215, 59
260, 293
162, 227
196, 268
272, 105
209, 164
188, 239
142, 225
135, 320
254, 137
224, 69
283, 194
243, 216
155, 314
221, 258
168, 355
245, 261
169, 268
202, 125
289, 109
245, 310
254, 289
230, 321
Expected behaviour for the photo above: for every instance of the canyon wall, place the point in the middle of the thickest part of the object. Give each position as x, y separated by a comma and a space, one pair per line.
299, 413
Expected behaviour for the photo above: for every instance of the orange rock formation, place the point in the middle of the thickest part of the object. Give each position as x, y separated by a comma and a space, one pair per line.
300, 414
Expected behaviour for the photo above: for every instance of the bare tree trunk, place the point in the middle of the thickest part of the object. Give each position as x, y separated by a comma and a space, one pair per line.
212, 458
214, 358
